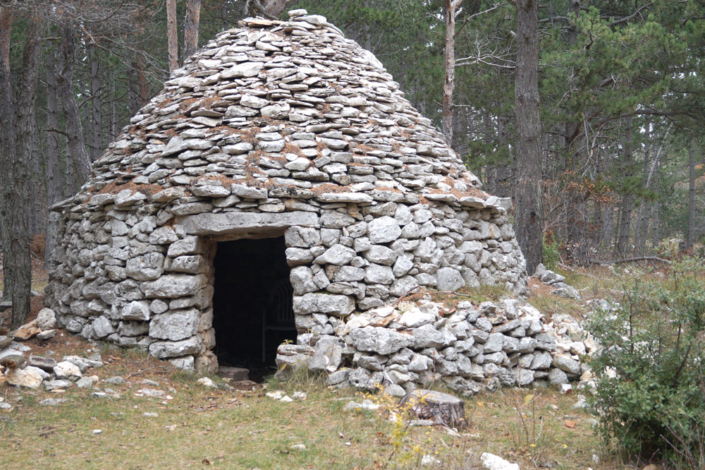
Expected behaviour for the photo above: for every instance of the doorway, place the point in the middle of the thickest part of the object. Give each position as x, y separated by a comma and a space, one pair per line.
252, 303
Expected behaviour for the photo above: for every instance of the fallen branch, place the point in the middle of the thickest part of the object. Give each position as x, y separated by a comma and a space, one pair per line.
629, 260
579, 273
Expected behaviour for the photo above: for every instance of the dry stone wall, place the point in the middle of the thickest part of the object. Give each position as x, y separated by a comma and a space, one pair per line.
276, 128
467, 347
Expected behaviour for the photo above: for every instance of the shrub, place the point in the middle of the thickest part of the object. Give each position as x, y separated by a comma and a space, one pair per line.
650, 383
551, 252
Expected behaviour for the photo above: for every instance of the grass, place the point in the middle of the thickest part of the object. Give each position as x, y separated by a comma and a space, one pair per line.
202, 428
477, 295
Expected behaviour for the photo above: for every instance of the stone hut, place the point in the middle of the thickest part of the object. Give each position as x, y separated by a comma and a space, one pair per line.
279, 183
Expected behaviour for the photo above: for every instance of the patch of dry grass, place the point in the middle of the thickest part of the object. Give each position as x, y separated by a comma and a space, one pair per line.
200, 428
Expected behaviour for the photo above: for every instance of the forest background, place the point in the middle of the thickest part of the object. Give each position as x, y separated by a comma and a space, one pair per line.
590, 114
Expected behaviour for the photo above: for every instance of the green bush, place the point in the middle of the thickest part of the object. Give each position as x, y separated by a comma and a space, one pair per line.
650, 384
551, 253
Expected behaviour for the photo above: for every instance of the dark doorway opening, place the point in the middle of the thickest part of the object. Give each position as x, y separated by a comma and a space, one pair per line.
252, 304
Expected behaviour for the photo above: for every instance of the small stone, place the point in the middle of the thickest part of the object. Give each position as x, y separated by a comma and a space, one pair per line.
206, 382
150, 392
394, 390
46, 335
5, 341
26, 333
115, 381
52, 401
415, 318
244, 70
67, 370
44, 363
494, 462
557, 377
566, 364
85, 382
365, 405
46, 319
50, 385
24, 378
275, 394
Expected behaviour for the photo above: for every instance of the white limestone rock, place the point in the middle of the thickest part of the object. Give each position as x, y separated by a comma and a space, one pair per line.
380, 340
449, 279
173, 286
46, 319
67, 370
243, 70
339, 305
175, 325
24, 378
494, 462
383, 230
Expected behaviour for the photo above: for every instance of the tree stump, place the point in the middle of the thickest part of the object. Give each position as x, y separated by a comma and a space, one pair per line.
441, 408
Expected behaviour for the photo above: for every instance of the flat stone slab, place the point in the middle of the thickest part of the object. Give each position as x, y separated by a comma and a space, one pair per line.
442, 408
236, 374
245, 223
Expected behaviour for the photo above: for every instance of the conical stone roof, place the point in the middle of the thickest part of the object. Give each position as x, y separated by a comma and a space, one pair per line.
273, 126
287, 105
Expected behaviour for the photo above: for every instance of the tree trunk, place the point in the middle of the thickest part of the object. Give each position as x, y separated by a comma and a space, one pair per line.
26, 128
642, 220
655, 235
528, 217
191, 23
275, 7
172, 37
449, 84
142, 78
503, 168
625, 217
96, 117
76, 145
69, 174
133, 89
114, 114
16, 144
691, 195
8, 150
608, 225
54, 183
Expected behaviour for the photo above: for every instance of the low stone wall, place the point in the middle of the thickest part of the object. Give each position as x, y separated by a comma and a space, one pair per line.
468, 348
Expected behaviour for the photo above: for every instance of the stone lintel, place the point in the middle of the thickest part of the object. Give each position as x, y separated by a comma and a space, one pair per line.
245, 223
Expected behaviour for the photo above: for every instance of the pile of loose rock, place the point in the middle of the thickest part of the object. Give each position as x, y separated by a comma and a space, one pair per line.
32, 372
554, 279
43, 328
469, 348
